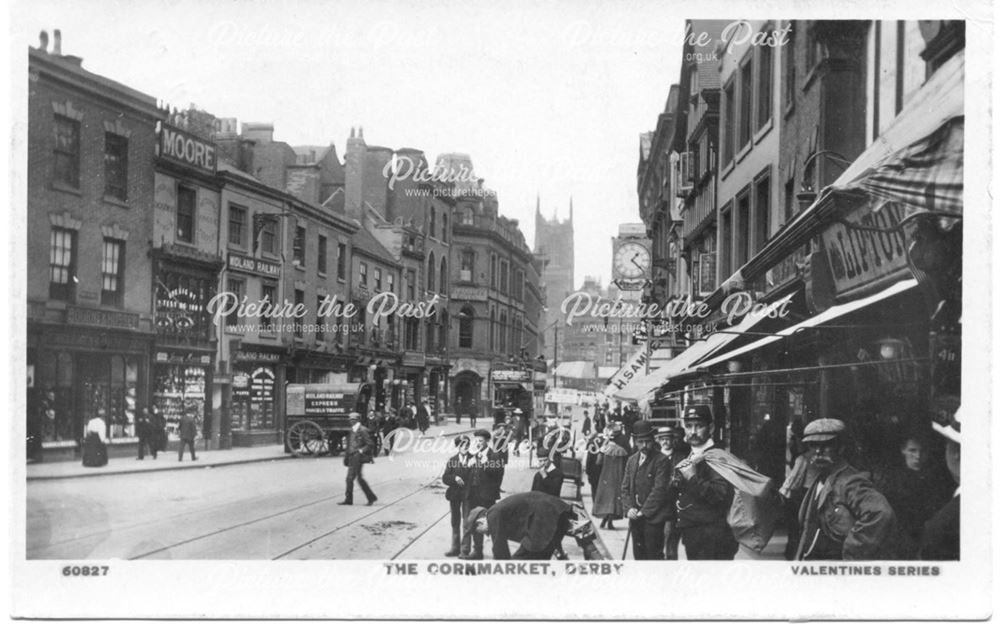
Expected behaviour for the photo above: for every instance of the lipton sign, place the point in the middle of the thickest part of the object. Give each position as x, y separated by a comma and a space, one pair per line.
186, 148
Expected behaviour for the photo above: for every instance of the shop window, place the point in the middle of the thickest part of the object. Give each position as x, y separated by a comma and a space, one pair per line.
765, 89
116, 166
53, 406
238, 226
341, 260
113, 272
186, 197
321, 254
299, 247
746, 102
66, 154
62, 264
253, 405
466, 321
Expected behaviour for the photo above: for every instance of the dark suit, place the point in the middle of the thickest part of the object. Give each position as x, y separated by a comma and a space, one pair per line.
646, 487
537, 521
455, 494
941, 538
144, 431
188, 432
550, 484
360, 448
703, 504
483, 475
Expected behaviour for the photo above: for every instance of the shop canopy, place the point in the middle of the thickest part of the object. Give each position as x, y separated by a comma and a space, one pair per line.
576, 370
642, 387
819, 320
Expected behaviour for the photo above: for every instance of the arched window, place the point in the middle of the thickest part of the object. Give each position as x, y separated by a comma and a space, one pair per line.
433, 228
444, 226
431, 271
443, 281
466, 320
444, 333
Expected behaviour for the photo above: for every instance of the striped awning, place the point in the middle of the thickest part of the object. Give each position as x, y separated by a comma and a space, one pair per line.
927, 175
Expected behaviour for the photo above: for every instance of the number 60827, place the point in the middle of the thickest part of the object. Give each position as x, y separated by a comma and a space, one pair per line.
85, 571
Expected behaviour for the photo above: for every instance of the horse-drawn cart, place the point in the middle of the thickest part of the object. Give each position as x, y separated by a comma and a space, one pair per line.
318, 415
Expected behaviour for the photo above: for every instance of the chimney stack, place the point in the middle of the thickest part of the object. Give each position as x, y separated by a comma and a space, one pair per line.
43, 41
57, 42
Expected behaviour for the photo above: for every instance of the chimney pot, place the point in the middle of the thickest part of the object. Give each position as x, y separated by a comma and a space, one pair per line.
57, 42
43, 41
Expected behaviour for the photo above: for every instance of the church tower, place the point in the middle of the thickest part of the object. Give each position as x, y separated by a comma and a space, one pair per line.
554, 246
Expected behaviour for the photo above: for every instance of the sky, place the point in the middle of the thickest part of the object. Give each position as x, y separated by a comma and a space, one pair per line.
548, 99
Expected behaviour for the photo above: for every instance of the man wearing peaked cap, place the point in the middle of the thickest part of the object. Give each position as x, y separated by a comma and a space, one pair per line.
360, 450
843, 516
704, 497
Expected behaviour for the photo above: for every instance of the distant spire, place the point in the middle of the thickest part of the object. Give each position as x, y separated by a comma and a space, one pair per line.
538, 203
571, 209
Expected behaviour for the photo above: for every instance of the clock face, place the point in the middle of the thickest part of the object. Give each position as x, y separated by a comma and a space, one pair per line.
631, 260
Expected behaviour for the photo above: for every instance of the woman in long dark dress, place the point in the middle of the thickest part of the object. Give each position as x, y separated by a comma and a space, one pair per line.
95, 452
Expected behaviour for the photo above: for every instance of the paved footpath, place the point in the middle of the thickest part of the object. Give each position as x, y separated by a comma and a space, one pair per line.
167, 460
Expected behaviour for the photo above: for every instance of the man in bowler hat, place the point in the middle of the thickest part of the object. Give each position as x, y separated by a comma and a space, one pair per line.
646, 494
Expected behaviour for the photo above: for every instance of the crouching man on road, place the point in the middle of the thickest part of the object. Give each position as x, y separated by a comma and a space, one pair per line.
536, 520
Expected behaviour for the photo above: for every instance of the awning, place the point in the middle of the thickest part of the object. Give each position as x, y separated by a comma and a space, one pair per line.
509, 385
830, 314
643, 386
606, 372
576, 370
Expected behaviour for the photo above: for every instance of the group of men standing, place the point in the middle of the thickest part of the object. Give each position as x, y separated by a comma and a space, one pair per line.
473, 476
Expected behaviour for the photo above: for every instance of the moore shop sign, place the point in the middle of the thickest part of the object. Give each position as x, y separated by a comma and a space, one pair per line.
186, 149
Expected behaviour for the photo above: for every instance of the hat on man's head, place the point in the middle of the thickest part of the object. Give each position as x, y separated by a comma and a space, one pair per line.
949, 425
664, 431
823, 430
642, 429
474, 514
698, 412
482, 433
354, 416
461, 439
518, 412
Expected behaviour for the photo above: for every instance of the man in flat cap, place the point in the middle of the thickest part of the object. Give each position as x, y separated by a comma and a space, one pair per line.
483, 475
536, 520
843, 516
646, 494
703, 496
360, 449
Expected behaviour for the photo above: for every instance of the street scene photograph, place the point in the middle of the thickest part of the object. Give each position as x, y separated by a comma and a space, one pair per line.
464, 288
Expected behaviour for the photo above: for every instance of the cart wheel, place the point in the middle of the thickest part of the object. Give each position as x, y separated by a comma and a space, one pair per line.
306, 439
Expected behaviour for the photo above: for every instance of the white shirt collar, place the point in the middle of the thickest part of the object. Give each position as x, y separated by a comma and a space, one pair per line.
355, 427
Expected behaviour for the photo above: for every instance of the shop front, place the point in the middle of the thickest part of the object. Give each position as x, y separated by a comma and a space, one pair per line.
184, 353
468, 389
96, 365
258, 381
513, 388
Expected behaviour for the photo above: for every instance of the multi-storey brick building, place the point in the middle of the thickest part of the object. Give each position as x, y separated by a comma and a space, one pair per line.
91, 145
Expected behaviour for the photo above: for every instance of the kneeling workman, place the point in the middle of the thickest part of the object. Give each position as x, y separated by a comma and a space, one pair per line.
536, 520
